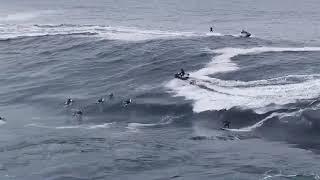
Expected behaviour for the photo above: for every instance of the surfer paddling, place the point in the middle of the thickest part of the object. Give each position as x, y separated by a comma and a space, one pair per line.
127, 102
68, 102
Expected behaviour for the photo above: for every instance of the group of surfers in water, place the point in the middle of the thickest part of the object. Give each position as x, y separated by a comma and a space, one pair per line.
182, 75
101, 100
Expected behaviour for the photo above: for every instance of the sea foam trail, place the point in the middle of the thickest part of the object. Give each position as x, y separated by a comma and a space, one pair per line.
165, 121
214, 94
223, 62
104, 32
105, 125
260, 123
2, 122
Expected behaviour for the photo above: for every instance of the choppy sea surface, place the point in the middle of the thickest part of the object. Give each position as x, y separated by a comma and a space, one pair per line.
267, 86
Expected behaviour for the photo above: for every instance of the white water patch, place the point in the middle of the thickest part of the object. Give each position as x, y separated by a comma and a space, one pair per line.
223, 62
203, 132
104, 32
22, 16
260, 123
165, 121
18, 17
214, 94
2, 122
271, 175
105, 125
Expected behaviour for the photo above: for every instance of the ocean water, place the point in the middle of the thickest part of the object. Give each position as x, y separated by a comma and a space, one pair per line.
267, 86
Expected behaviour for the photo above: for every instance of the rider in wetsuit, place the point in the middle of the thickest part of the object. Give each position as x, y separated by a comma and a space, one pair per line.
182, 73
226, 124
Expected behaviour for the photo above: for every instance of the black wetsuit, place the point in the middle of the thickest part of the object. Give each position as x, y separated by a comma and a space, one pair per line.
211, 29
247, 34
68, 102
127, 102
78, 113
182, 73
226, 124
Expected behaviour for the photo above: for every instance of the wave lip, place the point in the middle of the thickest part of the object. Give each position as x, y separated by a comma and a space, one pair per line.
214, 94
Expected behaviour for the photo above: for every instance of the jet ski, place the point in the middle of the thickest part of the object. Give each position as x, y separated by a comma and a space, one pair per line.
179, 76
245, 34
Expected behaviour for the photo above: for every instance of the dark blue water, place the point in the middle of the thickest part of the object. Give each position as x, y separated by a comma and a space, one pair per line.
267, 86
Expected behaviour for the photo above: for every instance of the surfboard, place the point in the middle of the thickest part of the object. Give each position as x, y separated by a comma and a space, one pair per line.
225, 129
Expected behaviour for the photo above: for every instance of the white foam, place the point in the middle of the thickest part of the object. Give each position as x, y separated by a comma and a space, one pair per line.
280, 175
2, 122
165, 121
215, 94
205, 132
105, 125
22, 16
223, 63
260, 123
105, 32
18, 17
136, 125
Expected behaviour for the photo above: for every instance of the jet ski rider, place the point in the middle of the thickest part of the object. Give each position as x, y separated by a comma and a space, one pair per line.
182, 73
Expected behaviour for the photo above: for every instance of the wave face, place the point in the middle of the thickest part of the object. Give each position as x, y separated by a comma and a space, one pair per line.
268, 90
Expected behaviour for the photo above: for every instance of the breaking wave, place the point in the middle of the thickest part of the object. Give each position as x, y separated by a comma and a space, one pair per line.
209, 93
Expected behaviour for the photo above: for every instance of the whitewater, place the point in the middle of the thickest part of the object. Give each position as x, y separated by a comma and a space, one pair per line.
266, 86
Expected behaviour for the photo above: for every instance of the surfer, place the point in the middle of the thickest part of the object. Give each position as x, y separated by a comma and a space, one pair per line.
78, 112
68, 102
211, 29
101, 100
78, 115
111, 96
127, 102
245, 34
226, 124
